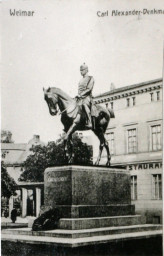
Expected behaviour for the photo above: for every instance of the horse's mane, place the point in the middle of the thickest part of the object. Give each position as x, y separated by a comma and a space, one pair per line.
60, 92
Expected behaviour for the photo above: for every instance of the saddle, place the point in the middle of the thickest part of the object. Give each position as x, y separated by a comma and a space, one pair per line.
94, 109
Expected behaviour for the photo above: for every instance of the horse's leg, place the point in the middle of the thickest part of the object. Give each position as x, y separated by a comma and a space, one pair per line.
65, 151
100, 135
68, 142
108, 153
71, 149
106, 145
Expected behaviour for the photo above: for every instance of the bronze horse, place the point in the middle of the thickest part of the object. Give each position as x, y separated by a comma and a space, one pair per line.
73, 118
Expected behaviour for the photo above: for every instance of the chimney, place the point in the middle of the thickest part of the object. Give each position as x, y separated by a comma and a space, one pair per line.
36, 138
112, 87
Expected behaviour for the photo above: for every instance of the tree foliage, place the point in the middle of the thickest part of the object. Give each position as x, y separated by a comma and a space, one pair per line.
7, 183
53, 155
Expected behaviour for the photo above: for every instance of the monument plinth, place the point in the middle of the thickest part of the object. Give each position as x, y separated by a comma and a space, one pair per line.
81, 192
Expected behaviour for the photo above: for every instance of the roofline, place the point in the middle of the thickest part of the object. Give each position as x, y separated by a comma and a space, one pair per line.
14, 146
128, 87
13, 143
14, 164
14, 149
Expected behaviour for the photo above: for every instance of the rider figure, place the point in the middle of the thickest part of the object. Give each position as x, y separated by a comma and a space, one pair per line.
85, 92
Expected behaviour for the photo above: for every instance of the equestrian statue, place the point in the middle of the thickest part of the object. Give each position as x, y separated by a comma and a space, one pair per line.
80, 114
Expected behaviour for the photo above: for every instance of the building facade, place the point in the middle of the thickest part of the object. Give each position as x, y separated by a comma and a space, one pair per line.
135, 140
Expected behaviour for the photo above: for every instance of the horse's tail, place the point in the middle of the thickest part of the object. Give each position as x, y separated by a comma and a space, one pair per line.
111, 112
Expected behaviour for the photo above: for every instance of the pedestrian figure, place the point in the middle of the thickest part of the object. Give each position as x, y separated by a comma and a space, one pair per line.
5, 213
14, 215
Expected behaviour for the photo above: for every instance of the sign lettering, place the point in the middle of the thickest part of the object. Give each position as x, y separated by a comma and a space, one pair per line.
57, 179
144, 166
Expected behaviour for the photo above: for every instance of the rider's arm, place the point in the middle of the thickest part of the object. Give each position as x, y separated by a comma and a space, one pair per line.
89, 88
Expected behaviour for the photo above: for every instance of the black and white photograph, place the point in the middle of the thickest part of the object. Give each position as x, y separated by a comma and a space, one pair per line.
82, 127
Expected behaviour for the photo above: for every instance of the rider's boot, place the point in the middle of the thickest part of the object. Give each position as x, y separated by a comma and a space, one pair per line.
88, 115
89, 123
93, 122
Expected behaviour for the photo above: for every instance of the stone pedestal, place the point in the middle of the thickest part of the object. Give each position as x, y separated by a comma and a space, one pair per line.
94, 206
81, 192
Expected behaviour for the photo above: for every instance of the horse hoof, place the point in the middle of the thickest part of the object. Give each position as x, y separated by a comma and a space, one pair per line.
66, 159
71, 161
108, 163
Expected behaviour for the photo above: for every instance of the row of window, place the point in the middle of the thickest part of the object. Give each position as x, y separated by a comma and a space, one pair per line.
154, 96
133, 99
156, 187
111, 105
155, 139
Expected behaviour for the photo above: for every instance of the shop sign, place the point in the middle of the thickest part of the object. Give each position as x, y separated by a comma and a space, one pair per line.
144, 166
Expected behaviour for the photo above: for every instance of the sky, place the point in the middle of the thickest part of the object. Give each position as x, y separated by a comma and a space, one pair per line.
47, 49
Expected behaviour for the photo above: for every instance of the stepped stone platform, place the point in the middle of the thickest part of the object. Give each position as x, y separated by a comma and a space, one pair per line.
100, 222
77, 238
85, 232
94, 205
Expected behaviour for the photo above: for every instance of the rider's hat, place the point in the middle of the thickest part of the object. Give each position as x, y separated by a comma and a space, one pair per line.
83, 67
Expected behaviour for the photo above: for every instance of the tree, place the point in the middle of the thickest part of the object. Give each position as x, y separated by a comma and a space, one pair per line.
6, 136
53, 155
7, 183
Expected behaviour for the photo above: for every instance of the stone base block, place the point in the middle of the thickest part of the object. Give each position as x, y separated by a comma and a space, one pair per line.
90, 223
81, 185
86, 211
81, 191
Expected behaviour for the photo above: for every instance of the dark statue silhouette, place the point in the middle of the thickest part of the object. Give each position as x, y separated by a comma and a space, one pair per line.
74, 118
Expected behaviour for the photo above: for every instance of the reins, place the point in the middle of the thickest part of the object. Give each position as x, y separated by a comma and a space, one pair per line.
61, 112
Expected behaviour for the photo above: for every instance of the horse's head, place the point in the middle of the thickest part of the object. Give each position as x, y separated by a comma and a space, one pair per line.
51, 100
